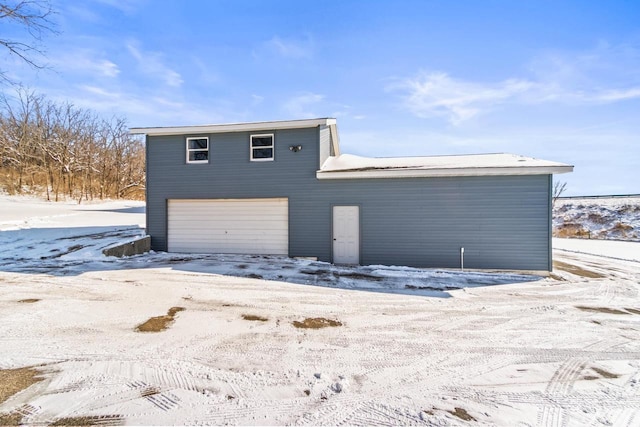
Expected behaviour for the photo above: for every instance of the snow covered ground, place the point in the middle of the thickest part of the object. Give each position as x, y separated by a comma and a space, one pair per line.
409, 346
629, 251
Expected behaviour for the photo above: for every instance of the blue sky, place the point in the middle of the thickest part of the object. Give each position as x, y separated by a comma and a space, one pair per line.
558, 80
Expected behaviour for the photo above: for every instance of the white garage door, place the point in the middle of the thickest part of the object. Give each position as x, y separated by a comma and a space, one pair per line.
231, 226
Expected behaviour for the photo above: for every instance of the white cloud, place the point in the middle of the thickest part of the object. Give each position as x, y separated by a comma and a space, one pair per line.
127, 7
256, 99
300, 105
439, 95
605, 63
85, 61
108, 68
79, 11
207, 73
151, 63
287, 48
98, 91
617, 95
139, 108
603, 75
90, 11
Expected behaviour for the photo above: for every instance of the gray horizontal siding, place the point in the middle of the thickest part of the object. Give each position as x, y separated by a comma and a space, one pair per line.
502, 221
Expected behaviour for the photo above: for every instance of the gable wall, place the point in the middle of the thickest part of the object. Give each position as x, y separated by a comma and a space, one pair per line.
501, 221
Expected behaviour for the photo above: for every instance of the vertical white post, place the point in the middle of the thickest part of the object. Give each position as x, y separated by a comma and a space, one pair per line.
462, 259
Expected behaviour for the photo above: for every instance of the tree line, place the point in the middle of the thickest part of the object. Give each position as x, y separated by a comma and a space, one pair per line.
62, 151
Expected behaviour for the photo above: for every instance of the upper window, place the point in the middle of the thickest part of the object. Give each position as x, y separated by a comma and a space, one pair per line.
197, 150
261, 147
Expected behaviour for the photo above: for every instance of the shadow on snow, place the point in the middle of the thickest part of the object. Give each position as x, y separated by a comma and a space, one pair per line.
132, 210
75, 250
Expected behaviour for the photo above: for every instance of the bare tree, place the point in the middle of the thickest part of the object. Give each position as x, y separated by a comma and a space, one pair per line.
66, 152
33, 17
558, 189
16, 137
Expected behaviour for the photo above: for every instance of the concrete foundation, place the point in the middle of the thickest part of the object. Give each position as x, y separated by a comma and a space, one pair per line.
135, 247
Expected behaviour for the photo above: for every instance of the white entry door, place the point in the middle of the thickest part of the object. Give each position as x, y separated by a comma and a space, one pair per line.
346, 235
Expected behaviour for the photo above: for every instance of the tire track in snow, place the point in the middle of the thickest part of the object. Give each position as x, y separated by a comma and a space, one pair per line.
624, 417
629, 416
549, 355
357, 412
113, 388
560, 384
251, 411
372, 413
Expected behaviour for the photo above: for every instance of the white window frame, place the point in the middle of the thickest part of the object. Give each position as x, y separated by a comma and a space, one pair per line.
189, 150
273, 147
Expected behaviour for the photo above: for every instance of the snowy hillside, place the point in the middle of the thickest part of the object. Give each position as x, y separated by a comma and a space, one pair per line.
598, 218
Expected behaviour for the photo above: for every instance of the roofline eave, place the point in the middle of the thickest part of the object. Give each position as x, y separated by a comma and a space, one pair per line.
232, 127
444, 172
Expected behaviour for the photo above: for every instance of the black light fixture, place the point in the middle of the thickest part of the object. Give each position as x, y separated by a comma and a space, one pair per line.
295, 148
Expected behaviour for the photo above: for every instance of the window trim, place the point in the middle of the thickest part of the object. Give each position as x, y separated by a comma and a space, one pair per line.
189, 150
272, 146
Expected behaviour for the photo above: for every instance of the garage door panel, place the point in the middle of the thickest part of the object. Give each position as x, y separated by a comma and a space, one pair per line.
244, 226
221, 218
205, 234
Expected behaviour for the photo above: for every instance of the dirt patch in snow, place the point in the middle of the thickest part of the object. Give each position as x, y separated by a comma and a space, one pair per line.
605, 310
462, 414
619, 226
102, 420
571, 230
457, 412
254, 318
316, 323
29, 300
13, 381
605, 374
159, 323
578, 271
150, 391
632, 310
11, 419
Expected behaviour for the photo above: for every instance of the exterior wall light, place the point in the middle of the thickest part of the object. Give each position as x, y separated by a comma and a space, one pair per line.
295, 148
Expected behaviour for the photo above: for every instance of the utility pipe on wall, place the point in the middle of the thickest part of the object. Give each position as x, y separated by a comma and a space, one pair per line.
462, 259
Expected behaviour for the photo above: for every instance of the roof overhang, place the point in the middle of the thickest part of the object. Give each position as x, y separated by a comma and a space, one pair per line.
348, 166
443, 172
233, 127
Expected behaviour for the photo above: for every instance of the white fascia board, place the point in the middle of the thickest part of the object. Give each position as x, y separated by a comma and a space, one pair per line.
433, 173
335, 141
232, 127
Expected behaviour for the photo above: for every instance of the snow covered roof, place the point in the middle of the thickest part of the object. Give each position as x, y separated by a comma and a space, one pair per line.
347, 166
